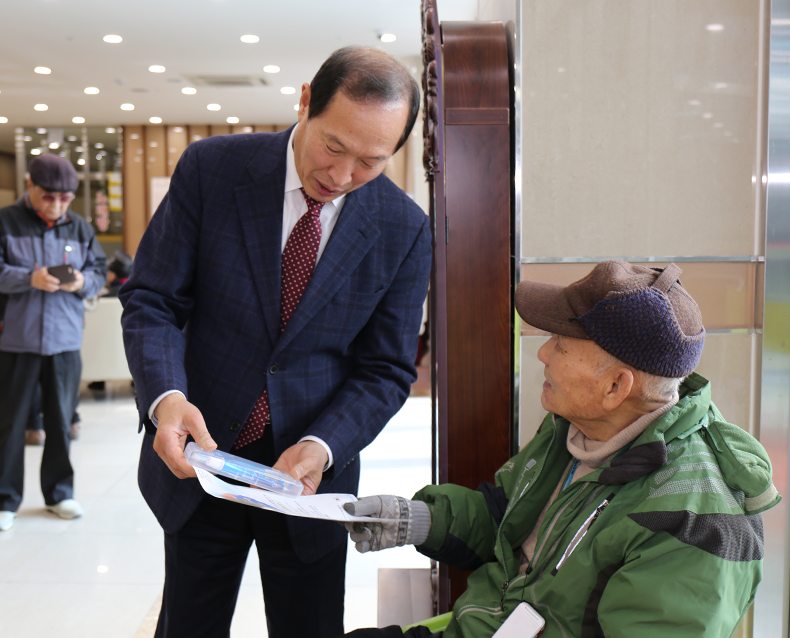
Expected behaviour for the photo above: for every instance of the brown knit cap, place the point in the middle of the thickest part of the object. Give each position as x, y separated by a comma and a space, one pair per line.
643, 316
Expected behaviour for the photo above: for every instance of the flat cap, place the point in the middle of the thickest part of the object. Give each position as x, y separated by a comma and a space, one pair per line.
54, 174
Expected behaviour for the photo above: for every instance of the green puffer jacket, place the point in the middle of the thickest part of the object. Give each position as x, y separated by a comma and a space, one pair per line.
675, 548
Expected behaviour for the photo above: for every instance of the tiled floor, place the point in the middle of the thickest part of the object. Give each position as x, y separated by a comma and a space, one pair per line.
101, 575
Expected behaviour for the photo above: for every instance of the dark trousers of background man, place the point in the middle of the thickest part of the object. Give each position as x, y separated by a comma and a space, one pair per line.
205, 562
59, 377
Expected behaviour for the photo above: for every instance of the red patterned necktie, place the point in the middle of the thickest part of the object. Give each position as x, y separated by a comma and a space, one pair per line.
298, 264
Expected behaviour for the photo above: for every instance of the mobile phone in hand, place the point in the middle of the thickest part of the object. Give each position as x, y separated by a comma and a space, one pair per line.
64, 273
524, 622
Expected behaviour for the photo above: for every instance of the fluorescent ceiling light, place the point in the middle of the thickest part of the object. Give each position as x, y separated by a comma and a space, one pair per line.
3, 120
288, 90
81, 162
35, 151
54, 145
715, 27
189, 90
127, 107
155, 120
156, 68
250, 39
232, 120
271, 68
112, 39
42, 70
388, 37
78, 120
41, 107
213, 107
91, 90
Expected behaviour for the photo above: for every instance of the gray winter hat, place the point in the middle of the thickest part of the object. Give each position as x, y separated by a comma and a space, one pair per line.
54, 174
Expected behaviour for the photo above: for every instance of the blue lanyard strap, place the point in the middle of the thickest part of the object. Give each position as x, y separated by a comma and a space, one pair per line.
572, 471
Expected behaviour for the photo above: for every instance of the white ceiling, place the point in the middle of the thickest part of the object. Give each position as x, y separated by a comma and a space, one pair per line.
188, 38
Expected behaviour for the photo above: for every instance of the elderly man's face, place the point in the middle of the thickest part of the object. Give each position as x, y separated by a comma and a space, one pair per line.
573, 387
346, 146
50, 205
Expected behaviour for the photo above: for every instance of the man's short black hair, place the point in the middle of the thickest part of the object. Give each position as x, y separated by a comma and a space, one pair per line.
365, 74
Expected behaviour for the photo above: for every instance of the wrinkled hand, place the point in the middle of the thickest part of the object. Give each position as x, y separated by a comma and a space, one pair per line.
42, 280
76, 285
304, 461
410, 524
178, 418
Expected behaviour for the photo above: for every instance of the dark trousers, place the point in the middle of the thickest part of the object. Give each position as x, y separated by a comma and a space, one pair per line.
204, 563
59, 378
393, 631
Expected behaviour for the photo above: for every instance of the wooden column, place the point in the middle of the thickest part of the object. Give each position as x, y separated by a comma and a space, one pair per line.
468, 157
134, 191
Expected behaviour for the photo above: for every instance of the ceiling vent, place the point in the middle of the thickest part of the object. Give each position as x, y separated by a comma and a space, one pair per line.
229, 81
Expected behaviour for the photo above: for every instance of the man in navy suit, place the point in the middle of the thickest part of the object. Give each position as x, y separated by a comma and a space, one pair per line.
202, 328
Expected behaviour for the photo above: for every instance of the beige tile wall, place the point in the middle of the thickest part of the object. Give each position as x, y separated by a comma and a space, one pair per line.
640, 128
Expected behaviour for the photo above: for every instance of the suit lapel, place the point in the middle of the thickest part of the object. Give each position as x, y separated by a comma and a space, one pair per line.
351, 239
260, 206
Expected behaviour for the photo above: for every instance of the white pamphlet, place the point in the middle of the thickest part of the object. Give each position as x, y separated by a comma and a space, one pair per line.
323, 506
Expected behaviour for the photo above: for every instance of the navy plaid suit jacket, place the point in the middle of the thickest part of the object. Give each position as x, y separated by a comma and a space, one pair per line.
202, 315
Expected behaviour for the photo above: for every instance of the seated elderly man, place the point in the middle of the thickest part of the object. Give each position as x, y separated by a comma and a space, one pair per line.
633, 512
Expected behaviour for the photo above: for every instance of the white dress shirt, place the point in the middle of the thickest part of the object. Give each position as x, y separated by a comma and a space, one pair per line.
294, 206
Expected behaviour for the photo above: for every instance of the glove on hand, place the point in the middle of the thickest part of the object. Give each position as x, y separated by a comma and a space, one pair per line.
411, 524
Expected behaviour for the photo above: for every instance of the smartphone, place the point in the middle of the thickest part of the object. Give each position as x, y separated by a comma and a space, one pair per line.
524, 622
64, 272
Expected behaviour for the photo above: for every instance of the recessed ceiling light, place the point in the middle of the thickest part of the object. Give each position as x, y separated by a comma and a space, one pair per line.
27, 138
250, 39
388, 37
288, 90
720, 85
41, 131
718, 125
41, 107
112, 39
213, 107
79, 149
178, 129
156, 68
102, 569
54, 145
232, 120
99, 156
296, 107
109, 130
42, 70
3, 120
271, 68
78, 120
189, 90
81, 162
127, 107
91, 90
35, 151
155, 120
98, 145
694, 102
715, 27
707, 116
72, 138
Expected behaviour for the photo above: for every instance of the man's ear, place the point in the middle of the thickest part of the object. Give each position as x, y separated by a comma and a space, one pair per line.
618, 388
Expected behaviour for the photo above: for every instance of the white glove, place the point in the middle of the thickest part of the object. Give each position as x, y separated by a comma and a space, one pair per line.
410, 524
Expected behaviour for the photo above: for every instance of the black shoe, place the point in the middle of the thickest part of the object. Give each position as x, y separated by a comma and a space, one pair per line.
96, 385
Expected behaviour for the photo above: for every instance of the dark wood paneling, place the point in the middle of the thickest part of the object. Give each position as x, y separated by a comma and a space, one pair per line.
471, 303
135, 217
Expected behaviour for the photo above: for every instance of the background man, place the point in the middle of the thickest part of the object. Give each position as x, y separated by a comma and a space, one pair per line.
42, 329
273, 311
635, 509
